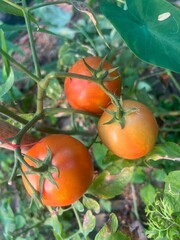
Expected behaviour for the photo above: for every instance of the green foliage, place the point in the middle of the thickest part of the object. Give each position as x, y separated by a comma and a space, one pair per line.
163, 213
153, 33
110, 230
108, 184
167, 150
150, 29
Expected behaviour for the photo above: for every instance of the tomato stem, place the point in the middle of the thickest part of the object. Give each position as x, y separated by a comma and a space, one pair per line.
51, 111
12, 115
15, 167
35, 195
78, 219
176, 84
135, 202
31, 39
19, 66
18, 137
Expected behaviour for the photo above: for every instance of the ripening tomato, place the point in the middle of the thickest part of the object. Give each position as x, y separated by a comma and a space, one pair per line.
138, 136
74, 163
86, 95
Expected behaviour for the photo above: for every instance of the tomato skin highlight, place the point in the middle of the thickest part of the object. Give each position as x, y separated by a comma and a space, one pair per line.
86, 95
138, 136
75, 165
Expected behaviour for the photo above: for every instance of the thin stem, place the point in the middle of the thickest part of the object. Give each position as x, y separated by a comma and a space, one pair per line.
164, 129
18, 137
170, 113
40, 96
35, 194
176, 84
14, 169
21, 231
48, 3
78, 219
31, 40
135, 203
52, 75
52, 111
19, 66
49, 130
12, 115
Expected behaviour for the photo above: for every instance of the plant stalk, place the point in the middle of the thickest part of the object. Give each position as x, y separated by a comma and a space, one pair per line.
19, 66
31, 39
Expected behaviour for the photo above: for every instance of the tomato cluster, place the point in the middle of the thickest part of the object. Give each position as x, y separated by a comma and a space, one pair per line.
70, 157
138, 136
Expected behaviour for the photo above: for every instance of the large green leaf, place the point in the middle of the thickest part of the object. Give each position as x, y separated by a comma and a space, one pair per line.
150, 28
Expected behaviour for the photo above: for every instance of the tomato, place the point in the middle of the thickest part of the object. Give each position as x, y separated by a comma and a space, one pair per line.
74, 163
86, 95
138, 136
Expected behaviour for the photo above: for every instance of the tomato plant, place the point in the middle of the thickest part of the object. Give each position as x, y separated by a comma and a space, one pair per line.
58, 170
88, 95
138, 136
75, 166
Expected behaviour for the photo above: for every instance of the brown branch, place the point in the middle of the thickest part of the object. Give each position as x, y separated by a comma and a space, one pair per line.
8, 131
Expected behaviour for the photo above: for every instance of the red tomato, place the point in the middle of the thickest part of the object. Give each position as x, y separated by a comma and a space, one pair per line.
74, 163
138, 136
86, 95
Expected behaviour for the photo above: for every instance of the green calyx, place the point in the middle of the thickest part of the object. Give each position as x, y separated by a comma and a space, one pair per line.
99, 74
119, 115
44, 169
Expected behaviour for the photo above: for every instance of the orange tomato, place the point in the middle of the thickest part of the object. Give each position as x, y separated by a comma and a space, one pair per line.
86, 95
74, 163
138, 136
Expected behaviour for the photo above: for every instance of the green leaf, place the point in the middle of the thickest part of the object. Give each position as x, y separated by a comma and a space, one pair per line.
14, 9
11, 8
99, 153
6, 68
167, 150
5, 87
108, 231
172, 189
76, 237
139, 175
78, 206
20, 221
147, 194
89, 222
106, 205
91, 204
159, 175
150, 29
108, 186
54, 90
7, 217
57, 227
